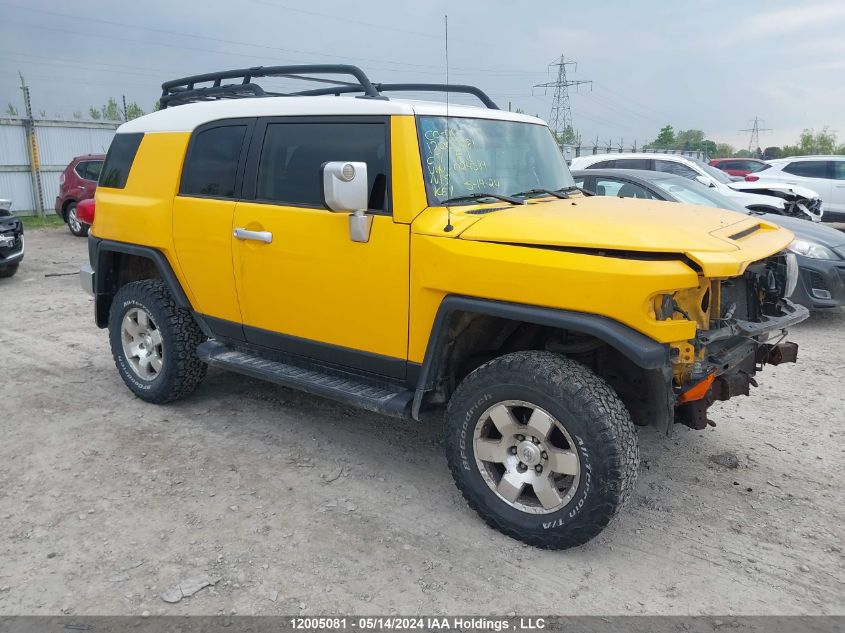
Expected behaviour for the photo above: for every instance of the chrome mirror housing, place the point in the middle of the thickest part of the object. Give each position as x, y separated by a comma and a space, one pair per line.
345, 190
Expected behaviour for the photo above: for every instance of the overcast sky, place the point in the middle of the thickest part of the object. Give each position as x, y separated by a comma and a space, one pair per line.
709, 65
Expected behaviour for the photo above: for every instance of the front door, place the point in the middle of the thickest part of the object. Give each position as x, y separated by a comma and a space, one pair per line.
303, 286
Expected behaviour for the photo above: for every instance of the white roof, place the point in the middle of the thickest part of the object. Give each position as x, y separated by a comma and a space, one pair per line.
185, 118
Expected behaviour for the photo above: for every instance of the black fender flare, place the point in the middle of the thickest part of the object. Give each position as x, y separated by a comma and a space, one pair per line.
105, 281
643, 351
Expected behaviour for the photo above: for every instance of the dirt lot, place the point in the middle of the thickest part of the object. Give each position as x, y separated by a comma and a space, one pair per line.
300, 505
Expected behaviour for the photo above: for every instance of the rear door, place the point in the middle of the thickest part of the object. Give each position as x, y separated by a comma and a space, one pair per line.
814, 174
202, 219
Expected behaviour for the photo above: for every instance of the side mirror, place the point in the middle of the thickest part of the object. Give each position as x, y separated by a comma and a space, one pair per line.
704, 180
345, 189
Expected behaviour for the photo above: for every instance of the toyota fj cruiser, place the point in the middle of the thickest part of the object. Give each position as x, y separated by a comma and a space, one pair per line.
405, 256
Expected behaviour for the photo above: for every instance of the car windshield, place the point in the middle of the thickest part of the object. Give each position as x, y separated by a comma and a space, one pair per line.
691, 192
478, 156
715, 174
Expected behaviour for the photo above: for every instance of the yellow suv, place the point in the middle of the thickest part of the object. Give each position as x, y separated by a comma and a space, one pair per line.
406, 256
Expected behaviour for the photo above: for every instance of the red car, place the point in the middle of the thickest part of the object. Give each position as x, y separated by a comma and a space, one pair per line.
738, 166
78, 182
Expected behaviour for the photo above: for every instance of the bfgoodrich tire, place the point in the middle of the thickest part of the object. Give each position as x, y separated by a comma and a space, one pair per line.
542, 448
154, 342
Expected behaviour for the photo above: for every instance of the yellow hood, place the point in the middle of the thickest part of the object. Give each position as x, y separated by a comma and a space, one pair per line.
722, 242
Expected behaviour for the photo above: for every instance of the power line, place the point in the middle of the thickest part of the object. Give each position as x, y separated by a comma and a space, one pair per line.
755, 129
560, 118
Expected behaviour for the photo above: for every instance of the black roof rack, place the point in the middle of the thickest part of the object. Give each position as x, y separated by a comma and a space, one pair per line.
185, 90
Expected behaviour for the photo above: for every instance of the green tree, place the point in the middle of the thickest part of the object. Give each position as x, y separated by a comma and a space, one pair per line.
133, 111
110, 111
568, 136
77, 115
688, 139
11, 110
665, 139
94, 113
812, 142
723, 150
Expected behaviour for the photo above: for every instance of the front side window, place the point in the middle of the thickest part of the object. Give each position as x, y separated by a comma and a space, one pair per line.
211, 165
808, 168
119, 160
693, 193
465, 157
289, 169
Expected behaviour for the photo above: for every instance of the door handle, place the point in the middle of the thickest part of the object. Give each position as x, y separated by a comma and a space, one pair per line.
256, 236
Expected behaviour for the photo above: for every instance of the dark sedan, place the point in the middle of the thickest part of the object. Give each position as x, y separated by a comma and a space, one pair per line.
820, 249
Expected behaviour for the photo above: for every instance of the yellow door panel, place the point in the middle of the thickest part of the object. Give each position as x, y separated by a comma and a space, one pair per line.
202, 234
313, 282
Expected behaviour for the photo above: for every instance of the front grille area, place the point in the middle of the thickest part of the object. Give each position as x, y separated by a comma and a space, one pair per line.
755, 294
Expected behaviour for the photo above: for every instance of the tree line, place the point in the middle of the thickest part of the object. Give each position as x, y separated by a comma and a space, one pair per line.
810, 142
109, 111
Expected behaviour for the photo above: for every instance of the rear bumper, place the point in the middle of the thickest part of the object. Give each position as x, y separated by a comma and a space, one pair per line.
86, 279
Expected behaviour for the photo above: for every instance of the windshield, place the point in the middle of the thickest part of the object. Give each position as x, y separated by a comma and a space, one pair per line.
713, 172
488, 156
693, 193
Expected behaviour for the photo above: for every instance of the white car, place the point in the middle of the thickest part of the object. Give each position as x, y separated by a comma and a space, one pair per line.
766, 197
825, 174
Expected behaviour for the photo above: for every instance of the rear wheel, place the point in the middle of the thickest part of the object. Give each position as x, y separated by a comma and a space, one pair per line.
154, 342
9, 269
542, 448
77, 227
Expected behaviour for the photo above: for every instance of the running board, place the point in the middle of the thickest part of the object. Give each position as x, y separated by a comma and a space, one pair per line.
343, 387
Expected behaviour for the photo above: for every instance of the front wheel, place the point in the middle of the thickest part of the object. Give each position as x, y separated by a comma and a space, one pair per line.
542, 448
154, 342
76, 226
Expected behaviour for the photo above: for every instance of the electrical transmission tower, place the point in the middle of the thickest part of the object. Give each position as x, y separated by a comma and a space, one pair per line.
755, 129
560, 119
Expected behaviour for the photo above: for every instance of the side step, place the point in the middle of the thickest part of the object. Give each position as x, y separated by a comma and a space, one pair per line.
380, 397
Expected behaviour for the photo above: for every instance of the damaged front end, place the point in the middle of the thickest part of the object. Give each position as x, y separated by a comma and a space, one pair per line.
746, 321
791, 201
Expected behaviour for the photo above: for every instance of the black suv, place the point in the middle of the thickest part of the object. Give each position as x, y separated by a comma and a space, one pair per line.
11, 240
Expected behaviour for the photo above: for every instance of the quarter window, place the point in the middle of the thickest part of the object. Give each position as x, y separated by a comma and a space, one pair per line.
211, 166
293, 153
808, 168
839, 169
119, 160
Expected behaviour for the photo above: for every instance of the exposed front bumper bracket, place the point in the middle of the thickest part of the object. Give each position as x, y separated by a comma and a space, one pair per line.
86, 279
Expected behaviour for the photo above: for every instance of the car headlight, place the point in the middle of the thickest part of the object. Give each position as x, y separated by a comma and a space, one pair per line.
791, 274
811, 249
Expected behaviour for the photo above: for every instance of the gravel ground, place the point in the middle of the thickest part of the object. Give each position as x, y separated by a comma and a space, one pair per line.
290, 504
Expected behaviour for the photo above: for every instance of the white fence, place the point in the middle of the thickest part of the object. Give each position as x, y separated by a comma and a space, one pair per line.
57, 142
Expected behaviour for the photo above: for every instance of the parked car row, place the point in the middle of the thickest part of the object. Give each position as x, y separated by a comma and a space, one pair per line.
823, 174
769, 197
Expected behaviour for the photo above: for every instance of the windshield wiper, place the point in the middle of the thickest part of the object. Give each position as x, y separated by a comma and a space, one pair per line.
531, 192
480, 196
577, 188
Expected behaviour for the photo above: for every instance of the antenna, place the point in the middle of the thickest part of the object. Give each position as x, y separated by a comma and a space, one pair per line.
448, 228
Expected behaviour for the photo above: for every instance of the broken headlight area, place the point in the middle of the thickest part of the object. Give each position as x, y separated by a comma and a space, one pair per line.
748, 324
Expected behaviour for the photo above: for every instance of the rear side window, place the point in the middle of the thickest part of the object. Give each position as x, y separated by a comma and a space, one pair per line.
293, 153
633, 163
89, 169
839, 170
808, 168
671, 167
211, 166
603, 164
119, 160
